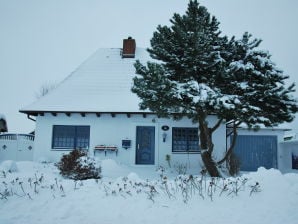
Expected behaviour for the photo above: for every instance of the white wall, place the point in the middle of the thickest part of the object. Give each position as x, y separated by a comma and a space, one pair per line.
110, 130
16, 147
287, 148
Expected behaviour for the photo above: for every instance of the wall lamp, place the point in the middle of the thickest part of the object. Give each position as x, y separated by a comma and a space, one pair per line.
164, 137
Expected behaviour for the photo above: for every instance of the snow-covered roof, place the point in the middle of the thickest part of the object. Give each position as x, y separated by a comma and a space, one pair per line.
101, 84
280, 127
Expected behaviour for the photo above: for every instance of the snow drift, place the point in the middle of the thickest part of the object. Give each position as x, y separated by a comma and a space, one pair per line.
131, 198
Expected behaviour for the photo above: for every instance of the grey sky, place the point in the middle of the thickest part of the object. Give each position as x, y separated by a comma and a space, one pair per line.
44, 41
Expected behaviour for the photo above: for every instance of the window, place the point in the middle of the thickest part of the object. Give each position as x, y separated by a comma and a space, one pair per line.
185, 140
70, 137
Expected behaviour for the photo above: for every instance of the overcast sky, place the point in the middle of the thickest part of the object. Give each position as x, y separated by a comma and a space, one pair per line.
44, 41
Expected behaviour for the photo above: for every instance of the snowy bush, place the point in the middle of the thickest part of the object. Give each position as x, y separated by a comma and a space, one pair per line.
78, 166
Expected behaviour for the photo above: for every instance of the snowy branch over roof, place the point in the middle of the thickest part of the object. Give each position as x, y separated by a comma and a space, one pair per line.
202, 94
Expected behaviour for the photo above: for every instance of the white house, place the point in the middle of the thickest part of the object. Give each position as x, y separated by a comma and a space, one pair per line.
94, 109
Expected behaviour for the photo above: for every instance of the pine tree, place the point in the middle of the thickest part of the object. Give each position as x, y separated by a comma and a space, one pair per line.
202, 72
260, 89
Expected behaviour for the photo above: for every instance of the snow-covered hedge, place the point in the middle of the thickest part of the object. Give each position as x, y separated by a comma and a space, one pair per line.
78, 166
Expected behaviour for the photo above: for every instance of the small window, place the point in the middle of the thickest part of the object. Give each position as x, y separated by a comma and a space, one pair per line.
185, 140
70, 137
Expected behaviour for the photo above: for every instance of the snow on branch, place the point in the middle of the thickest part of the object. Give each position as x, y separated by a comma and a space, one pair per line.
200, 93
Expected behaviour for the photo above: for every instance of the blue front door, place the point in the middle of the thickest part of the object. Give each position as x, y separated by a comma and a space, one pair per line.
145, 145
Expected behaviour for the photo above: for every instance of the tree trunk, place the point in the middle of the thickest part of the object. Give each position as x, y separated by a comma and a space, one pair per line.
232, 162
210, 164
206, 144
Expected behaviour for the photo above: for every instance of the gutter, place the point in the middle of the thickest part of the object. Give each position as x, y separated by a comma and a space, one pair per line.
30, 118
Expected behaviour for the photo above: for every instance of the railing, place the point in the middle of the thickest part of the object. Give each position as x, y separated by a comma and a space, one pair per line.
105, 149
17, 137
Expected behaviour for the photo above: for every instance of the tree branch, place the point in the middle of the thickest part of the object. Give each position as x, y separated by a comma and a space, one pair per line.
216, 125
230, 150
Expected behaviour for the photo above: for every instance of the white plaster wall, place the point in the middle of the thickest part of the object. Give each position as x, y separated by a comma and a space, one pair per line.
18, 148
108, 130
287, 148
8, 149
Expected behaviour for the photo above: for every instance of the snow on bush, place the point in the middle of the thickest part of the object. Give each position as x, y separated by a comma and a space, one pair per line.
78, 166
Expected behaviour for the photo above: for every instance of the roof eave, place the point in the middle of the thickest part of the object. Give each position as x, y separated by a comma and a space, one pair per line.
38, 112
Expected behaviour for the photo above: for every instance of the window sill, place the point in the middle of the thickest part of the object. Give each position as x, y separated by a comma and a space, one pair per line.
61, 149
67, 149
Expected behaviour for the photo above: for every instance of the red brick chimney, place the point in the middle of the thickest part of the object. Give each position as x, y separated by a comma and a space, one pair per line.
129, 48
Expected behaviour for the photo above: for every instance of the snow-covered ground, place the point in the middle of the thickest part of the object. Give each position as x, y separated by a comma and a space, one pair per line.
35, 193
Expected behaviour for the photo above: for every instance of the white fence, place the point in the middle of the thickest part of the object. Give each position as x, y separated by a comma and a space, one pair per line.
18, 147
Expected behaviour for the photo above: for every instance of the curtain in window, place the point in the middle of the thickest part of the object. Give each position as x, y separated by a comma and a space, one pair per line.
185, 140
70, 137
